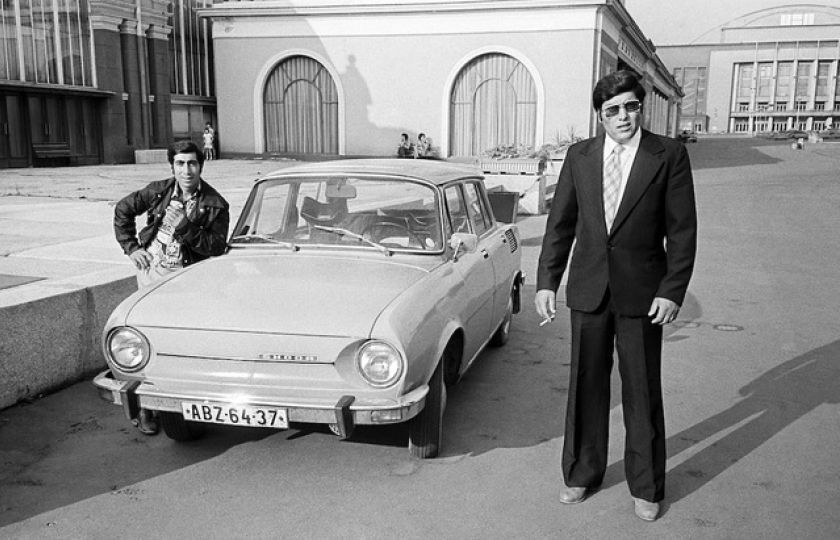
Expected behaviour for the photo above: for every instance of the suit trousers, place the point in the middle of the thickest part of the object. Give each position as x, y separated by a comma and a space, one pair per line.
639, 347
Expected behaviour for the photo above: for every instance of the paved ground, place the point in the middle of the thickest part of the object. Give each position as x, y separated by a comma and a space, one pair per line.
751, 378
56, 222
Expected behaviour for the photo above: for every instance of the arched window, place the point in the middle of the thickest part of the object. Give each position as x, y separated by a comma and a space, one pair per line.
493, 102
300, 108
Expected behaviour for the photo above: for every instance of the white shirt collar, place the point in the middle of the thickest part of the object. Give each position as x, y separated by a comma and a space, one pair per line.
632, 144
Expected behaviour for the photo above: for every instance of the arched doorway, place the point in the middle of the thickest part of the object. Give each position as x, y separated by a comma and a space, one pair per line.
493, 102
300, 108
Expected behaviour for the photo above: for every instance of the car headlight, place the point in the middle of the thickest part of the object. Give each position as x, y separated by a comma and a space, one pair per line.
380, 364
127, 348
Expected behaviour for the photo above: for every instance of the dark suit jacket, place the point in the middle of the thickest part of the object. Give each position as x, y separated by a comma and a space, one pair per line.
650, 250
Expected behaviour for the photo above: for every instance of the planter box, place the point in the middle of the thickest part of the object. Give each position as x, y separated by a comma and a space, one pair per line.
531, 190
524, 176
510, 166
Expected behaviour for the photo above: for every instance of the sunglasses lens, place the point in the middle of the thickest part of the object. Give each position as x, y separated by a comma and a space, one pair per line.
611, 111
630, 107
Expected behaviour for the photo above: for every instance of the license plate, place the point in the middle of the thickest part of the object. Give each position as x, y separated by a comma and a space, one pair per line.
235, 415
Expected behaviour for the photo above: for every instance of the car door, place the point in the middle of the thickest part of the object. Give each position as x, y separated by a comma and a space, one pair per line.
476, 272
491, 246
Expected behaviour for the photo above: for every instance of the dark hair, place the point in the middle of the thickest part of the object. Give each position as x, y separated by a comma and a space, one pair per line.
184, 147
404, 136
616, 83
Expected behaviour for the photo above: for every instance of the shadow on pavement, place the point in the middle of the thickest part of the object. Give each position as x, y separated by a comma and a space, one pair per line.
714, 153
71, 445
770, 403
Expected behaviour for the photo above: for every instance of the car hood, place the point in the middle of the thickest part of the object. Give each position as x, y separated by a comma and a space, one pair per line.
290, 293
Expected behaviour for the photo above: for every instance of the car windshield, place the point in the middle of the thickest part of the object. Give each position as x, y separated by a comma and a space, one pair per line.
389, 214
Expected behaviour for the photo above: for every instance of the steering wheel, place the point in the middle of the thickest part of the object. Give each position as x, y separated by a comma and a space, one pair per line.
381, 230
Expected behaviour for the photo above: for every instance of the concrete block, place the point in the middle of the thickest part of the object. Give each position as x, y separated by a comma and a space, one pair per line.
154, 155
50, 331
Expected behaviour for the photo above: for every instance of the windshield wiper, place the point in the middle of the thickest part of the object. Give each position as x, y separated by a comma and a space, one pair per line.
344, 232
265, 238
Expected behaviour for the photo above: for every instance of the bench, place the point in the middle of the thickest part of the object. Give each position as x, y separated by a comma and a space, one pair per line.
50, 150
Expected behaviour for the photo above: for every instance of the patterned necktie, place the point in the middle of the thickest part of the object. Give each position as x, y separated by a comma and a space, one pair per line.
612, 183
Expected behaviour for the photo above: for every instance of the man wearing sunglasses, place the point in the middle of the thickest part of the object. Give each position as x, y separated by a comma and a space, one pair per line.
626, 198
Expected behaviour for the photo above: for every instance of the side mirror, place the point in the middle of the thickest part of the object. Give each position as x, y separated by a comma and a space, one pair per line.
463, 242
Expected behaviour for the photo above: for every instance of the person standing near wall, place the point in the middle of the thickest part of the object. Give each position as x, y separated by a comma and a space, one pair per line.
209, 141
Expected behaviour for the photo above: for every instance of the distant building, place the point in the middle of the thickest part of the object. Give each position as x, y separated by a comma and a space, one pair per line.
326, 77
771, 70
92, 81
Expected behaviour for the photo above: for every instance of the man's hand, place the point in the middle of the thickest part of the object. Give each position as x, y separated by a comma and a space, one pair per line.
141, 259
663, 311
544, 302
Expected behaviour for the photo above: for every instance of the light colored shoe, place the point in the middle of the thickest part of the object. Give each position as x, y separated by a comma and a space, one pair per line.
646, 510
573, 495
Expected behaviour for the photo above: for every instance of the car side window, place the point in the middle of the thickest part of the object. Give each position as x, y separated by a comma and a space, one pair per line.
456, 210
479, 216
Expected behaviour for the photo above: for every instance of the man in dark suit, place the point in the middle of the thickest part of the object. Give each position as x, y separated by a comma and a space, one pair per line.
626, 199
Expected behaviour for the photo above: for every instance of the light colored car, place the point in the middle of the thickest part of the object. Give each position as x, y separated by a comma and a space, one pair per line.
353, 292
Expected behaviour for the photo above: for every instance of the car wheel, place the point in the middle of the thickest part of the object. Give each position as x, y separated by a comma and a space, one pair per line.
178, 429
425, 431
503, 332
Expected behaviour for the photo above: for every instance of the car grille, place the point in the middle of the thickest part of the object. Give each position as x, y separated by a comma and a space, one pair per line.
511, 240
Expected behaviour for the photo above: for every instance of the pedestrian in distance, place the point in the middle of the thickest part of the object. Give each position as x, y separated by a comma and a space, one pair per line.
209, 140
186, 222
625, 198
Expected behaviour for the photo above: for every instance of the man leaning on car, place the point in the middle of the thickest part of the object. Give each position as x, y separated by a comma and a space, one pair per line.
187, 221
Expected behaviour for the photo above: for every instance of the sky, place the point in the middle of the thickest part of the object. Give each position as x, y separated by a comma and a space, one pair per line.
673, 22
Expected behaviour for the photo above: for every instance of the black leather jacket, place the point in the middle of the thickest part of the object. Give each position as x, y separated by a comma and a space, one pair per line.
203, 234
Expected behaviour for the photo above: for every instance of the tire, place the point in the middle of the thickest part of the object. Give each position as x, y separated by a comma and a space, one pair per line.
425, 431
502, 334
178, 429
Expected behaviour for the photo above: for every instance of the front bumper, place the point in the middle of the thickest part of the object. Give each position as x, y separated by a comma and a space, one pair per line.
344, 412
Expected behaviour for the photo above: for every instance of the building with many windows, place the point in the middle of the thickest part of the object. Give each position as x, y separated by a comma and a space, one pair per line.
772, 70
93, 81
330, 77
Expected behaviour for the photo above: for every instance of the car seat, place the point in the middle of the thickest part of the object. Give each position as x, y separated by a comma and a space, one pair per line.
326, 214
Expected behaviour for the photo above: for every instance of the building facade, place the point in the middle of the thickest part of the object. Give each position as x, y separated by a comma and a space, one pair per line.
772, 70
326, 78
92, 81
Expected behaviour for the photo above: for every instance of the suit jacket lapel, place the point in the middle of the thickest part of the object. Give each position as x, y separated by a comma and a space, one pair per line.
592, 191
645, 166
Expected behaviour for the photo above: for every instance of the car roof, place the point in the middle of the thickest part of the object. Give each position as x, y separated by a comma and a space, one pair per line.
436, 171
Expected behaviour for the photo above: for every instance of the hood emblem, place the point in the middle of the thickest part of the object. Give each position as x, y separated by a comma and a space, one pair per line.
285, 357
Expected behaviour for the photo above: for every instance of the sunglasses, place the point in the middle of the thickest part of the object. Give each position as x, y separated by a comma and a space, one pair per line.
633, 106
